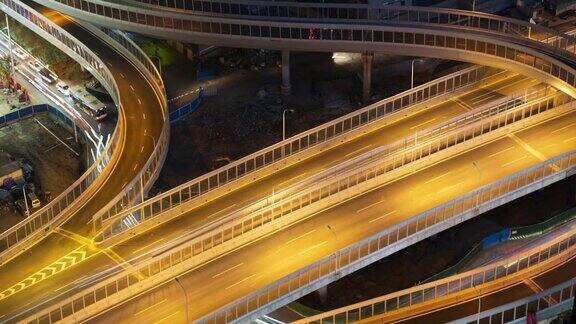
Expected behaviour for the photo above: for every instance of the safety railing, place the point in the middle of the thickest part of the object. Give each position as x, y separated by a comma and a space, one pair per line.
14, 239
167, 265
135, 190
561, 248
360, 175
275, 156
182, 257
545, 305
237, 12
395, 237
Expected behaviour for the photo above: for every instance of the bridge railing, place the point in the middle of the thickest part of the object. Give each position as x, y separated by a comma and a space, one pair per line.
561, 248
394, 238
367, 171
163, 266
318, 14
40, 223
292, 149
135, 190
546, 304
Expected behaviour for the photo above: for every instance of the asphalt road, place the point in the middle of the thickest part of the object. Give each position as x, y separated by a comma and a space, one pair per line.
142, 112
89, 262
253, 266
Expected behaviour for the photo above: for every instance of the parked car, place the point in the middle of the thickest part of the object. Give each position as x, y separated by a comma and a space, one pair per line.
47, 76
63, 88
35, 66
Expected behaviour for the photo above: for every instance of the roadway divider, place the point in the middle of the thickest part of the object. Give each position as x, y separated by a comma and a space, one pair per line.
24, 234
545, 305
162, 267
123, 286
380, 166
212, 185
393, 239
499, 274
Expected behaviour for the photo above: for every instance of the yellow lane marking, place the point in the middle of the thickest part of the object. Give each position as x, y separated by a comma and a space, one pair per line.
424, 123
313, 247
462, 104
537, 154
239, 282
166, 317
147, 308
228, 270
513, 161
370, 206
63, 263
378, 218
500, 152
301, 236
438, 177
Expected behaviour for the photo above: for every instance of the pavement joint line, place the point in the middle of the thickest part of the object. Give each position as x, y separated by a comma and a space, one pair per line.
537, 289
73, 236
534, 152
122, 262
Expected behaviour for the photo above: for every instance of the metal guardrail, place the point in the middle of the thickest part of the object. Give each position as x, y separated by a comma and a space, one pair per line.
561, 249
381, 164
279, 155
15, 239
164, 266
135, 190
561, 295
394, 238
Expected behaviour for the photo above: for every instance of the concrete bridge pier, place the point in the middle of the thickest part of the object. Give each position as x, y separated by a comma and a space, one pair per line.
367, 58
286, 88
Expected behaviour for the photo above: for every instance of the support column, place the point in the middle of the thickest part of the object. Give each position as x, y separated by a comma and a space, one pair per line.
286, 88
323, 294
367, 58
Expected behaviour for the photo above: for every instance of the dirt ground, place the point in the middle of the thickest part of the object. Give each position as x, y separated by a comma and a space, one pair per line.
246, 113
55, 166
406, 268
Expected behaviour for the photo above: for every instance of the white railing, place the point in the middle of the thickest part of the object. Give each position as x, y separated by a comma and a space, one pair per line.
508, 270
364, 252
39, 224
370, 170
179, 259
292, 150
561, 295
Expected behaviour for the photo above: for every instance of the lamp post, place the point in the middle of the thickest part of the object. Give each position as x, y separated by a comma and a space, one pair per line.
177, 279
473, 5
479, 181
336, 238
284, 129
479, 303
412, 74
25, 200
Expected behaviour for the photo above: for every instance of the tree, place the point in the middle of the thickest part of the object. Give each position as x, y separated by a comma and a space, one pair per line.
5, 69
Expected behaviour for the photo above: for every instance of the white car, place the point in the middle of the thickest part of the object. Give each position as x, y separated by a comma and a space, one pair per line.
35, 66
63, 88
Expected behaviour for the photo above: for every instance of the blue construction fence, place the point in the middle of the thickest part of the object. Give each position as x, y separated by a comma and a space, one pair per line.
28, 111
188, 108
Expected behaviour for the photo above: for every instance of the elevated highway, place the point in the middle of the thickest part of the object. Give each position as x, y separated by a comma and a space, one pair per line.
246, 276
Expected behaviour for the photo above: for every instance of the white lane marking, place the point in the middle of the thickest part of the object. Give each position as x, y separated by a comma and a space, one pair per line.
142, 149
438, 177
563, 128
449, 187
122, 75
147, 308
358, 150
132, 87
135, 166
500, 152
424, 123
228, 270
147, 246
144, 115
370, 206
296, 177
513, 161
301, 236
167, 317
569, 139
140, 102
239, 282
312, 247
387, 214
221, 210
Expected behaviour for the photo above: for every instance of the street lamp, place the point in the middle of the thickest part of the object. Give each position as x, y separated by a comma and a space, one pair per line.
479, 302
177, 279
479, 181
284, 122
335, 253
